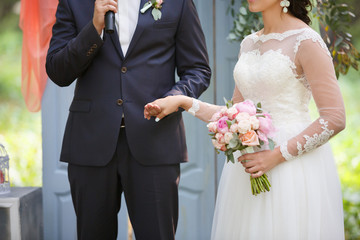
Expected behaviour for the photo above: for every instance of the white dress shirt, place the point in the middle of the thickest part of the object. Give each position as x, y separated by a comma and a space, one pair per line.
126, 21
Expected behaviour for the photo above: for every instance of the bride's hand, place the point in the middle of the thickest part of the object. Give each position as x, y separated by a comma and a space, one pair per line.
163, 107
259, 163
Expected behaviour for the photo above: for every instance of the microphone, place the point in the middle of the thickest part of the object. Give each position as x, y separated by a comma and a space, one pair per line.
109, 22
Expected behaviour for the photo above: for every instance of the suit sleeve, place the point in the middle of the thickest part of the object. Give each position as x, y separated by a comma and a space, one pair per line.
70, 52
191, 55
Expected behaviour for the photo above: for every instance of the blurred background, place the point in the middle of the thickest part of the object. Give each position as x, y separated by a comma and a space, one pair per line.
20, 130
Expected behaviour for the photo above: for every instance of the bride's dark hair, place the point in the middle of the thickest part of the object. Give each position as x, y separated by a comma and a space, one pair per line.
300, 9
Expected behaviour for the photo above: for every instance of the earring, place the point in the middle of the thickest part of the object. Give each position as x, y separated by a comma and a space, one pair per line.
285, 4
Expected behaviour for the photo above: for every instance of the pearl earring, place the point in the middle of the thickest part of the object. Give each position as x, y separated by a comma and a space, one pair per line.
285, 4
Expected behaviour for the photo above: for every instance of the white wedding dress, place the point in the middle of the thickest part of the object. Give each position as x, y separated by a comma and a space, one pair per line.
283, 71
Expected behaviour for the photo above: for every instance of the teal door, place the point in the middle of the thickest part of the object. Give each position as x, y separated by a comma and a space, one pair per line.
199, 177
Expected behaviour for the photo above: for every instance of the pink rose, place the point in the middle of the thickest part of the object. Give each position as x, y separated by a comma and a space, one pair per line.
222, 126
158, 3
246, 106
220, 138
231, 113
249, 139
212, 127
266, 125
218, 145
262, 136
216, 116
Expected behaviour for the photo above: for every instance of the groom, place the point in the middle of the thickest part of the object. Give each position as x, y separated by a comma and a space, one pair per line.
111, 149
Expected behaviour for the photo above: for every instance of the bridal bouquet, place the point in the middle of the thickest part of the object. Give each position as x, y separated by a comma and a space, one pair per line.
239, 127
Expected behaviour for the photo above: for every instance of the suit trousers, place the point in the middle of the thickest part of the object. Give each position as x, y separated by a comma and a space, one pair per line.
151, 195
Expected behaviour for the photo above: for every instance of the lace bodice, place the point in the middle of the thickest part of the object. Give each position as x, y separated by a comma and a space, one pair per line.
283, 71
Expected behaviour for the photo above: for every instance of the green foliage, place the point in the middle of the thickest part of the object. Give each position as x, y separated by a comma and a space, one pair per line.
20, 130
334, 19
346, 149
20, 133
242, 18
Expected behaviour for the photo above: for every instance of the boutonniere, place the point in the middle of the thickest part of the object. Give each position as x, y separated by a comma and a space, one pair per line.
157, 5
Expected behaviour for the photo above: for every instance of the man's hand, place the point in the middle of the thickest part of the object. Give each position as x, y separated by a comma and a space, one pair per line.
100, 9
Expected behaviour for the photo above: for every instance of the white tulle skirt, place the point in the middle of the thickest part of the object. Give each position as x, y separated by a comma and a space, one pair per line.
304, 202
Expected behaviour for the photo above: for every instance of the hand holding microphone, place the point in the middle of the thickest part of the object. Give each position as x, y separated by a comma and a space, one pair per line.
104, 15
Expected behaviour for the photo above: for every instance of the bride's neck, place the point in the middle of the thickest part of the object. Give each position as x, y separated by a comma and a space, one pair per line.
275, 21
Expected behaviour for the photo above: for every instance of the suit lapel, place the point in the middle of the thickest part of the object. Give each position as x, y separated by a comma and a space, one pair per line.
115, 39
143, 17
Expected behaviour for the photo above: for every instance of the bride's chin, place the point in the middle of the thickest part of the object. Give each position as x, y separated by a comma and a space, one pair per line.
254, 9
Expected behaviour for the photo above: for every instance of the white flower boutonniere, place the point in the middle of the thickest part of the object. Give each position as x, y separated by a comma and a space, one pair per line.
157, 5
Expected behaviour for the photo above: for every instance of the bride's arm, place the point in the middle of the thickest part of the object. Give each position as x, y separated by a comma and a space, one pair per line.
202, 110
319, 71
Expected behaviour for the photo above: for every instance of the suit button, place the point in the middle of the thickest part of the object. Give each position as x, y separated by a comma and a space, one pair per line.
123, 69
119, 102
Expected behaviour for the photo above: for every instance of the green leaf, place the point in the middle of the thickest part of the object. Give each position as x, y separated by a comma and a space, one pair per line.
271, 144
156, 14
234, 142
229, 123
242, 10
230, 158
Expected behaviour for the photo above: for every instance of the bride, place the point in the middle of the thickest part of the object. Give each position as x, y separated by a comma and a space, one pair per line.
281, 66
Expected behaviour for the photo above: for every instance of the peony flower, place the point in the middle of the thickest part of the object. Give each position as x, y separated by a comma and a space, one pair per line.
266, 124
249, 139
231, 113
246, 106
228, 136
262, 136
212, 127
222, 126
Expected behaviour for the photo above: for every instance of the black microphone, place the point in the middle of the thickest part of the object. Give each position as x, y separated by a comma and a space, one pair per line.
109, 22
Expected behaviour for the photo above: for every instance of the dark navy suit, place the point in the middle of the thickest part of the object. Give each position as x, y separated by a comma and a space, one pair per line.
110, 85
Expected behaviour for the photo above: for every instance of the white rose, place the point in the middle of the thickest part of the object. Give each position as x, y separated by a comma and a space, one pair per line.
234, 128
242, 116
228, 136
254, 122
244, 126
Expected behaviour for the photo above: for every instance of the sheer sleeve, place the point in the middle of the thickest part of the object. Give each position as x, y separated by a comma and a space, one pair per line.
204, 111
315, 61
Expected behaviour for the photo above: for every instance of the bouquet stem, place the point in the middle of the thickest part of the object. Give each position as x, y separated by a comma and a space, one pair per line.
260, 184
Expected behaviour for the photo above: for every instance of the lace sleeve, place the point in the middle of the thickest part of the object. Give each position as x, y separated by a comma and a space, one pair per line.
313, 57
204, 111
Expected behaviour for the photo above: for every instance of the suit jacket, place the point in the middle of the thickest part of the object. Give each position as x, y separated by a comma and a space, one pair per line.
109, 84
